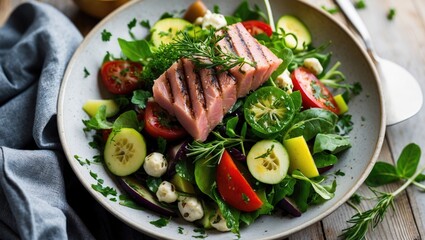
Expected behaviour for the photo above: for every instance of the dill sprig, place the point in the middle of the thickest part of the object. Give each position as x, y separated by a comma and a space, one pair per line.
213, 150
204, 51
363, 221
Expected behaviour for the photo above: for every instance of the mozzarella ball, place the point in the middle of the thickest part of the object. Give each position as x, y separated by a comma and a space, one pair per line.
166, 192
219, 222
313, 65
191, 209
213, 20
155, 164
284, 81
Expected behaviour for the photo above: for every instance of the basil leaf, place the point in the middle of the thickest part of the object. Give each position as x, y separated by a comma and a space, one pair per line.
244, 12
185, 170
408, 161
310, 122
127, 120
205, 177
381, 174
230, 214
324, 159
330, 142
283, 189
135, 50
153, 183
301, 193
231, 125
319, 189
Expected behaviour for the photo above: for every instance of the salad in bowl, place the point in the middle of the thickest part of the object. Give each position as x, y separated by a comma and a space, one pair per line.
215, 119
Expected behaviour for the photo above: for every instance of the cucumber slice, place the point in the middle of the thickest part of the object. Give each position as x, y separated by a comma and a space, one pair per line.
125, 151
268, 161
93, 105
165, 30
292, 24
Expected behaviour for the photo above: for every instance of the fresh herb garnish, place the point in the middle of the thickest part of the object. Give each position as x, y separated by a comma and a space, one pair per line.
267, 153
360, 4
162, 222
180, 230
132, 24
106, 36
391, 14
145, 24
331, 10
406, 169
319, 189
86, 72
105, 191
206, 53
128, 202
140, 98
98, 121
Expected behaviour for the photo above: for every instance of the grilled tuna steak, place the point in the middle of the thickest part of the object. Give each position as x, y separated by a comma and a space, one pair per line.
199, 98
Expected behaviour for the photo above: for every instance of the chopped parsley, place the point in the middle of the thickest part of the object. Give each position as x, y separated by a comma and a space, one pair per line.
145, 24
140, 97
245, 197
93, 175
105, 191
86, 72
132, 24
267, 153
330, 10
201, 231
106, 36
162, 222
360, 4
391, 14
81, 162
180, 230
339, 173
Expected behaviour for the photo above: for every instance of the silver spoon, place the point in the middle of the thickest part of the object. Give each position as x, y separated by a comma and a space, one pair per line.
402, 93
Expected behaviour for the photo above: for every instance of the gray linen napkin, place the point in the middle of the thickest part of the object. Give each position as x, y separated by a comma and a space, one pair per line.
40, 196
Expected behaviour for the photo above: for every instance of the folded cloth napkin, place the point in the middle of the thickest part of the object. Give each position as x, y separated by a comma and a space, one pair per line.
40, 197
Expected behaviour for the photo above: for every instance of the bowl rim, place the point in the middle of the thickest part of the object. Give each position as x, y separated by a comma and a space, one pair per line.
119, 215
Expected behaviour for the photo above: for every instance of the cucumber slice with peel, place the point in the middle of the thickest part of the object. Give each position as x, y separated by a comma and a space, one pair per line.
268, 161
293, 25
125, 151
165, 30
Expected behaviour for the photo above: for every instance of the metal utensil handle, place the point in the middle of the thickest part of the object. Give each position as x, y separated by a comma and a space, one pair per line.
351, 13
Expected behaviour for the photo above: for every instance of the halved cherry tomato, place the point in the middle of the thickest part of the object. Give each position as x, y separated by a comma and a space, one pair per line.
158, 123
120, 77
255, 27
234, 188
314, 93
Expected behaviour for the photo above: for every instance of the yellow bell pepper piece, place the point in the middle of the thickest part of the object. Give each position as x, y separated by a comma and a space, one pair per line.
342, 105
300, 157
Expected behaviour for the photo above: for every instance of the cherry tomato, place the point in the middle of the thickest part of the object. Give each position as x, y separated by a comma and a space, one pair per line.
314, 93
255, 27
158, 123
234, 188
120, 77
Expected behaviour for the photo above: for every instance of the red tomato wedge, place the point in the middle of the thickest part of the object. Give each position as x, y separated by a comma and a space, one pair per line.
314, 93
255, 27
158, 123
234, 188
120, 77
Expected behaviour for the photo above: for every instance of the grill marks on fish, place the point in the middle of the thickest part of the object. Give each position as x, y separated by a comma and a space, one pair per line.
199, 98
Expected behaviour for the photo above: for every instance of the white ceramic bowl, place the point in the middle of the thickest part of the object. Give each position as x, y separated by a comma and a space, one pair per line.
356, 163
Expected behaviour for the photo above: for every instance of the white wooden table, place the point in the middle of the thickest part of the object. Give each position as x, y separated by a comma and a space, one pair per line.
401, 40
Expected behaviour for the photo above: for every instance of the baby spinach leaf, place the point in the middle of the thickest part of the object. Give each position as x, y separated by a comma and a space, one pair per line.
230, 214
317, 199
231, 125
185, 170
205, 177
331, 142
244, 12
153, 183
266, 208
135, 50
319, 189
301, 194
408, 161
310, 122
324, 159
127, 120
381, 174
283, 189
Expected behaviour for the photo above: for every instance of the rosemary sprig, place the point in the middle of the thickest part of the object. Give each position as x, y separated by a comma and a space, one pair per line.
371, 218
206, 53
213, 150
